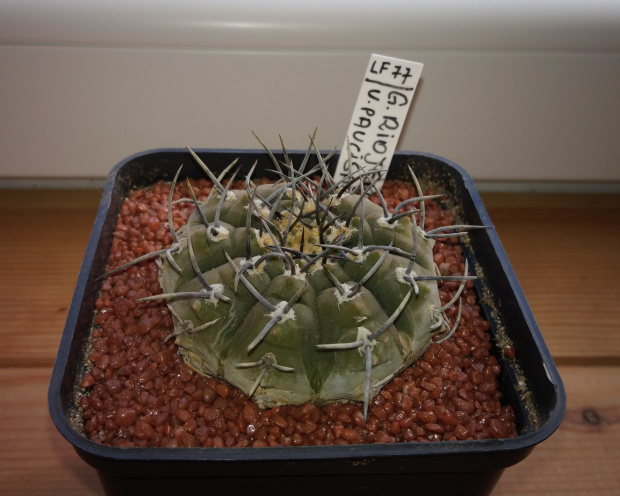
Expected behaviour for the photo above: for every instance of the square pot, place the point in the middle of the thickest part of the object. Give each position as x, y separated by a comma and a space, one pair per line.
529, 382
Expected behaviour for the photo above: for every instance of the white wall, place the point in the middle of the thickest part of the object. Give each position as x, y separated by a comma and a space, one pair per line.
525, 93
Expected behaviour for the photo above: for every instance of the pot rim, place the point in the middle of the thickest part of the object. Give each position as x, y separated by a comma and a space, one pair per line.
522, 443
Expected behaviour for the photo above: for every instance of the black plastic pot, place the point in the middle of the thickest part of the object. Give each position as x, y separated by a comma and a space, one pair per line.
530, 382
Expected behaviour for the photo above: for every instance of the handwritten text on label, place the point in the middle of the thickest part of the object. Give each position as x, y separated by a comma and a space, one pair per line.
379, 116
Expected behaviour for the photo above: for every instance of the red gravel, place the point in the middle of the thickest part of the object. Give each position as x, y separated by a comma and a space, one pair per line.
139, 392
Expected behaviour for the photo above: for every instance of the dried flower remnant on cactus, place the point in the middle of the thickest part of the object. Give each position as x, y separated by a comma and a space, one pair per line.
304, 290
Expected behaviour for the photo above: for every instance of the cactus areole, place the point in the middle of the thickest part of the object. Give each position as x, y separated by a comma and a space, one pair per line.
303, 290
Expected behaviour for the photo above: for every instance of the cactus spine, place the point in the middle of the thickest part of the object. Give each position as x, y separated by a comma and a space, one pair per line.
303, 290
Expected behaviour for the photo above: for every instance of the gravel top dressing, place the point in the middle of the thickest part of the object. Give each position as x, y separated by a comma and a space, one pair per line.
138, 391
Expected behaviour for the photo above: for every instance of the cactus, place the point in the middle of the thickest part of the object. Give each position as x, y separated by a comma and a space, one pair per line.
303, 290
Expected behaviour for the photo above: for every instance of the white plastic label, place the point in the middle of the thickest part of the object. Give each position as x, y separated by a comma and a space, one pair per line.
379, 116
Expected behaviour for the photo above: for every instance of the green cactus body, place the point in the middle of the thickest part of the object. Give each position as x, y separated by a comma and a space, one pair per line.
299, 291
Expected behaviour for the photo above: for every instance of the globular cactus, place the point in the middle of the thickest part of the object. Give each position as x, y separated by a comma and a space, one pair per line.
304, 290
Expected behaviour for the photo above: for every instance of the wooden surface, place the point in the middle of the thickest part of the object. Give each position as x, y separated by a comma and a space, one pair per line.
565, 251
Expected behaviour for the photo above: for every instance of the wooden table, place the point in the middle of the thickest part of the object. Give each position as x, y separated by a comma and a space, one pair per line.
565, 250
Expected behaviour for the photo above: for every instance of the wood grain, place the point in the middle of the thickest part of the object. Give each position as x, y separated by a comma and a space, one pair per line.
566, 260
34, 458
41, 250
582, 456
564, 250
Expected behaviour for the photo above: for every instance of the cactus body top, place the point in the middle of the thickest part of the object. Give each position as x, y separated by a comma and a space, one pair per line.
302, 290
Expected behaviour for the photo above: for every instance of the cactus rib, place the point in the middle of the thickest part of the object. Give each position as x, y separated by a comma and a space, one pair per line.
305, 271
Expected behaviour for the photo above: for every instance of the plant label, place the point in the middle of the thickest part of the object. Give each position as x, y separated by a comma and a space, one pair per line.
378, 118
